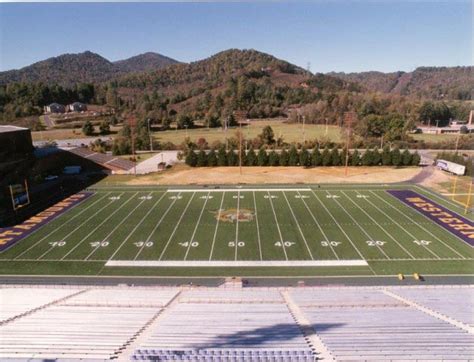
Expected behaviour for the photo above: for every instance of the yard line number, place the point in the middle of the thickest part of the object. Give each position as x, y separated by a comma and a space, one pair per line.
99, 244
327, 243
146, 244
375, 243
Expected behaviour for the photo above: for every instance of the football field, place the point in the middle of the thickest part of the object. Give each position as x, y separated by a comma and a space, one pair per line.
249, 231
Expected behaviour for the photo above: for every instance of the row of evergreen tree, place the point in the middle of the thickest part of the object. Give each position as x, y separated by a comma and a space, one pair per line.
303, 157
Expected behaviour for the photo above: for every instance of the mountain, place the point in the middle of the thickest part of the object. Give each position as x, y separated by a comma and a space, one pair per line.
143, 62
86, 67
426, 82
237, 79
228, 65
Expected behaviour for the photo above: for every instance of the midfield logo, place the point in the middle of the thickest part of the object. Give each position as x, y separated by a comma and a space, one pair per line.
231, 215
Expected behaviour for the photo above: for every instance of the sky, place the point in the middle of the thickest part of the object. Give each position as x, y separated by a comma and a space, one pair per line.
349, 36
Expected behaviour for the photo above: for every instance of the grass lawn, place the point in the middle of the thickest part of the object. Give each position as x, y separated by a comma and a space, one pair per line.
289, 132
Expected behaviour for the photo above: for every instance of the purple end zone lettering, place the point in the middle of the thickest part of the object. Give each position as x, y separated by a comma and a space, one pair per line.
13, 234
449, 220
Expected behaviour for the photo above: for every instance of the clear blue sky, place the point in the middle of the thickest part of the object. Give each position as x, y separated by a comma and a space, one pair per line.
332, 36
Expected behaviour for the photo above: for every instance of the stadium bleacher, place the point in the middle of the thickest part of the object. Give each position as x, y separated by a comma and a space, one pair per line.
232, 324
110, 162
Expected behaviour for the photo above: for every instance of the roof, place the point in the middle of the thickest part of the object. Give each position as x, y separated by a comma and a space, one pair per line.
55, 104
77, 104
4, 129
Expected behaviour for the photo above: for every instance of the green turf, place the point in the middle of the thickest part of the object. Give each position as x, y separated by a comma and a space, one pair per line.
326, 222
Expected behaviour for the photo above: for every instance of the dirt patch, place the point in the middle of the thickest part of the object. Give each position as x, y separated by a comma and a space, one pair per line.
184, 175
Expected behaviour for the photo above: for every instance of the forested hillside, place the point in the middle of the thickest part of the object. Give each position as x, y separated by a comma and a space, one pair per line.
424, 82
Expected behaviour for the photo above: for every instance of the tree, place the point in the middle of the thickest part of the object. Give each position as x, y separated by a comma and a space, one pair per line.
335, 157
212, 158
104, 128
396, 157
251, 157
267, 135
262, 158
88, 128
212, 121
221, 156
201, 159
273, 158
376, 157
406, 158
355, 158
386, 156
184, 121
293, 157
191, 158
284, 157
232, 159
305, 158
367, 158
316, 158
326, 157
415, 159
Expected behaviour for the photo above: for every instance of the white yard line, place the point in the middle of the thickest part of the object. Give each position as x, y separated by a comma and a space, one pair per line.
217, 226
196, 227
340, 227
277, 225
233, 263
77, 228
116, 227
137, 226
98, 226
61, 226
148, 238
299, 227
258, 230
420, 225
176, 227
319, 226
360, 227
401, 227
237, 189
237, 226
380, 227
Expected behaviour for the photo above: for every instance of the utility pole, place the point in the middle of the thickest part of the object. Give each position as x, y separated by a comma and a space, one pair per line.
304, 133
131, 122
240, 148
149, 133
349, 119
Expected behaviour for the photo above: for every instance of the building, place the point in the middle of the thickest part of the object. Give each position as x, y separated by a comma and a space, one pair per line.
15, 144
77, 107
55, 108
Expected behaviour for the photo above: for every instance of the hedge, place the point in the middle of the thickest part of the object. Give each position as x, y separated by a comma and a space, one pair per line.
303, 157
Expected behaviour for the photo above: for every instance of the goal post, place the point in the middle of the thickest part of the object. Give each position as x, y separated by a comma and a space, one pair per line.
20, 195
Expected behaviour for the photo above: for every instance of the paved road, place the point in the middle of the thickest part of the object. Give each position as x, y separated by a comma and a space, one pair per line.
48, 121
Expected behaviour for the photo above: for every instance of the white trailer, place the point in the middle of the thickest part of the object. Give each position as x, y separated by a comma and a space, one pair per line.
452, 167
